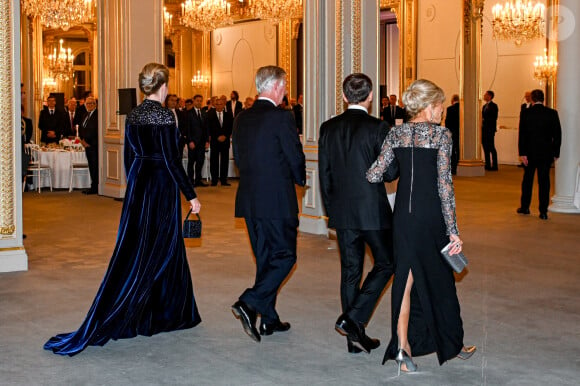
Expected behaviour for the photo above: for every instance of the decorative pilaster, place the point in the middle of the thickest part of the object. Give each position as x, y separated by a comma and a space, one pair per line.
12, 254
568, 95
470, 163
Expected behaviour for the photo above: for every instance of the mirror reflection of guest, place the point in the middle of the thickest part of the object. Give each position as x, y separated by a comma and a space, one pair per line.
26, 132
89, 135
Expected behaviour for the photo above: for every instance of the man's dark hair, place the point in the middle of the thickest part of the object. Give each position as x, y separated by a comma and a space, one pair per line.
169, 96
188, 101
197, 96
357, 87
537, 96
491, 93
236, 94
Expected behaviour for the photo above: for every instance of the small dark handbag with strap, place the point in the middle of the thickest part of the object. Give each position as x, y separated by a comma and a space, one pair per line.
192, 228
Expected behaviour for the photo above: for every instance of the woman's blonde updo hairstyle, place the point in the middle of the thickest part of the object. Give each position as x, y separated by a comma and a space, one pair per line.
152, 77
420, 94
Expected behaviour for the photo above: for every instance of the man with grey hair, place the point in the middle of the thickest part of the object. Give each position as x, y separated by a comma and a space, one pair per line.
270, 160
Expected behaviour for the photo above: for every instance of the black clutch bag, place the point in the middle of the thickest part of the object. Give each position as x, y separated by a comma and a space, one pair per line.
457, 261
192, 228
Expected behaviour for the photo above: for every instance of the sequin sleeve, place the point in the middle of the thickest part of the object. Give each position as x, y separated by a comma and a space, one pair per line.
445, 183
376, 172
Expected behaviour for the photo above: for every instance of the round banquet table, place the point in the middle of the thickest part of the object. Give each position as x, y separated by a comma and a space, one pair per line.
60, 163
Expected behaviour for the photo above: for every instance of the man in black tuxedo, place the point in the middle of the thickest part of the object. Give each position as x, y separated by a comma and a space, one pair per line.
181, 119
51, 122
89, 135
74, 117
198, 137
26, 133
392, 112
358, 210
234, 106
452, 123
540, 136
269, 156
298, 110
220, 123
488, 128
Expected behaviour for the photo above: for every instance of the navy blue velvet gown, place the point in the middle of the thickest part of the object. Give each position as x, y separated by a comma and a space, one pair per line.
147, 288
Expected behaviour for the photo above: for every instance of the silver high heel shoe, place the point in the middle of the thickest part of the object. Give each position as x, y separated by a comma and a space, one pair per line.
466, 352
403, 357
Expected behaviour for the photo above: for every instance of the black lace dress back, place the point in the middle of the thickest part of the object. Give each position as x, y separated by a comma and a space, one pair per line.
423, 219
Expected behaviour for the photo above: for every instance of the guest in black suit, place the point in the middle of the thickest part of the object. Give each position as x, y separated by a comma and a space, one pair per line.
51, 122
26, 132
540, 136
393, 112
74, 117
269, 156
452, 123
359, 210
488, 128
298, 110
89, 134
528, 101
219, 122
234, 106
181, 119
198, 141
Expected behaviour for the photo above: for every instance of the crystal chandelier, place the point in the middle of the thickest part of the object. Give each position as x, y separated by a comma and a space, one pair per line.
60, 63
518, 20
167, 22
206, 15
199, 81
545, 68
275, 10
61, 14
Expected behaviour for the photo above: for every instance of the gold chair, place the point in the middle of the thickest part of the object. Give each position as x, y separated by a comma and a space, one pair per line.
36, 169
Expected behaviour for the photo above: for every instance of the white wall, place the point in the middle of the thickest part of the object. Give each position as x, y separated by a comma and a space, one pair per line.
237, 52
507, 69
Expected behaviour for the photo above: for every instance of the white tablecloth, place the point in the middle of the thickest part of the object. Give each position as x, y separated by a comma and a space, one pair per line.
60, 163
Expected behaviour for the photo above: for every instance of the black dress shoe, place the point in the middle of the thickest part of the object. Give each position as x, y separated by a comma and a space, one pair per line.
269, 329
543, 216
523, 211
226, 184
214, 184
352, 348
248, 318
200, 184
372, 344
355, 332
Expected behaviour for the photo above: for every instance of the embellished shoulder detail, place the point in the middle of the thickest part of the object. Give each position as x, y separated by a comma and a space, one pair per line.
150, 113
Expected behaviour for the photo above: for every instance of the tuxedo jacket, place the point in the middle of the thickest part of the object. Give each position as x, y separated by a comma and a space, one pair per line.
269, 156
388, 116
27, 128
489, 114
238, 109
56, 122
540, 133
452, 122
215, 129
77, 120
348, 145
198, 132
89, 129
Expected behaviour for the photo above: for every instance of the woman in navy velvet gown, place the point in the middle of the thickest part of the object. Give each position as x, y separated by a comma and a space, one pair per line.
147, 288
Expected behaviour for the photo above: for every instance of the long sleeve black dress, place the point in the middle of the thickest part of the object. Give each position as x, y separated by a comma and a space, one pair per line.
423, 219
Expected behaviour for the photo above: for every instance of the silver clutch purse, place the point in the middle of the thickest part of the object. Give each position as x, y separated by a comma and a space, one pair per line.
457, 262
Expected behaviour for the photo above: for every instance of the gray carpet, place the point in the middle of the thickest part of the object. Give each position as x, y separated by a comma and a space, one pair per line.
519, 302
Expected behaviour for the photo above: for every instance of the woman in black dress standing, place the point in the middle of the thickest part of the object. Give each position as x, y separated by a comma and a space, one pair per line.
425, 309
147, 288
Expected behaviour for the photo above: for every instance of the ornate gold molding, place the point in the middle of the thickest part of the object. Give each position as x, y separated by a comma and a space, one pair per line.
7, 143
356, 35
472, 11
339, 52
285, 50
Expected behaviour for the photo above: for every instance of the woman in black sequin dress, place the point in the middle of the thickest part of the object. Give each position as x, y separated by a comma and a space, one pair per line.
425, 309
147, 288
